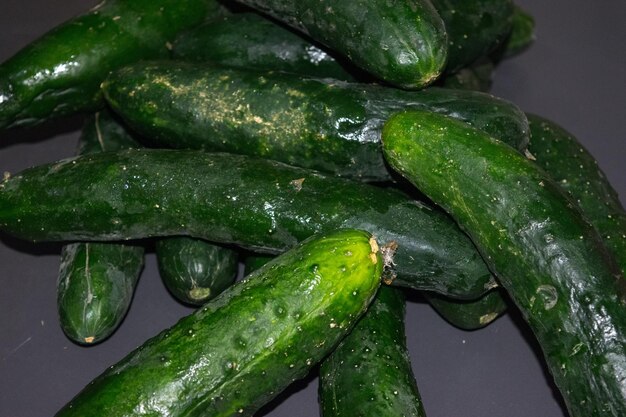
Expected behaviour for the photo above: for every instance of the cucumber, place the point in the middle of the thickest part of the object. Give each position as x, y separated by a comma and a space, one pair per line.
60, 73
576, 171
257, 204
477, 77
369, 373
254, 262
321, 124
547, 257
469, 314
247, 40
243, 348
401, 42
475, 28
194, 270
521, 37
97, 280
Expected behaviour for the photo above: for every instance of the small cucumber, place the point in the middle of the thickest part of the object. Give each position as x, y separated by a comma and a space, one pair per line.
194, 270
321, 124
476, 77
402, 42
247, 40
521, 37
60, 73
254, 262
576, 171
545, 254
469, 314
475, 28
369, 373
244, 347
258, 204
97, 280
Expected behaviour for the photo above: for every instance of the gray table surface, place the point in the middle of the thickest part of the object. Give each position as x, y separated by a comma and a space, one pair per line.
573, 74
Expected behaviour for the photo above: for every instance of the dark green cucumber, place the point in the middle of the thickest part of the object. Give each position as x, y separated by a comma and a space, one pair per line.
97, 280
369, 373
248, 40
476, 77
549, 259
469, 314
402, 42
258, 204
474, 27
195, 270
60, 73
321, 124
521, 37
243, 348
576, 171
254, 262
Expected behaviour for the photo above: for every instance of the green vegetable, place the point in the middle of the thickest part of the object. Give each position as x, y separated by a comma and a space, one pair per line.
258, 204
469, 314
60, 73
401, 42
369, 374
254, 262
315, 123
548, 258
195, 270
576, 171
243, 348
476, 77
97, 280
247, 40
521, 37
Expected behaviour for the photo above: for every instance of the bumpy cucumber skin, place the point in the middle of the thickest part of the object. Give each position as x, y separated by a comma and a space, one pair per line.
321, 124
97, 280
142, 193
194, 270
469, 314
474, 27
401, 42
548, 258
60, 73
369, 373
95, 288
576, 171
247, 40
243, 348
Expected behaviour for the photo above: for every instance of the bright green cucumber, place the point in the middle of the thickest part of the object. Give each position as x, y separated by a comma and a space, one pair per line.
469, 314
195, 270
60, 73
474, 27
244, 347
369, 373
97, 280
549, 259
321, 124
247, 40
402, 42
576, 171
259, 204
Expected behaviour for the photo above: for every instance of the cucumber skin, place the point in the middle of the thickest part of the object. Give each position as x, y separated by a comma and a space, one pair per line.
475, 28
320, 124
97, 280
60, 73
547, 257
401, 42
194, 270
369, 373
476, 77
576, 171
469, 314
144, 193
522, 34
243, 348
247, 40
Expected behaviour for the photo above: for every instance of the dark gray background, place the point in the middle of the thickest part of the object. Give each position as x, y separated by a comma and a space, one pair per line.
573, 74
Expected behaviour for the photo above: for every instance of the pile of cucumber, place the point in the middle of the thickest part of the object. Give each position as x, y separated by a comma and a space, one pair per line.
299, 168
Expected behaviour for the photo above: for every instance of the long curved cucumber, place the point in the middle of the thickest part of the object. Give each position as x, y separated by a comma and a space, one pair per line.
576, 171
195, 270
254, 203
402, 42
60, 73
241, 350
97, 280
545, 254
475, 28
321, 124
369, 373
248, 40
